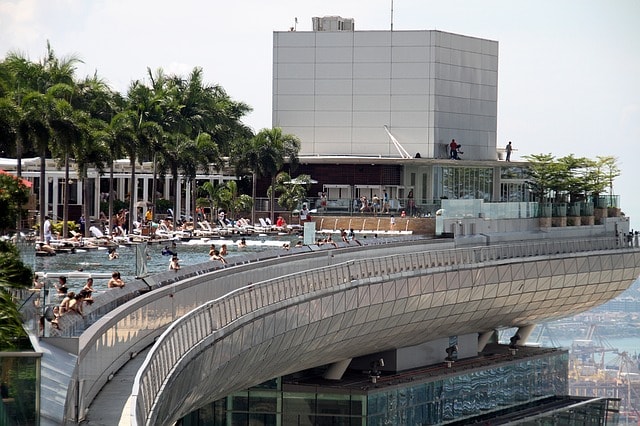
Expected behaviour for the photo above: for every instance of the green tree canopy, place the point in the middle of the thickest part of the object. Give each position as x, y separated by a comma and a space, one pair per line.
13, 194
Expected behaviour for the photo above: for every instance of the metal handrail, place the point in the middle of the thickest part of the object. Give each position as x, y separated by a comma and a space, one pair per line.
181, 336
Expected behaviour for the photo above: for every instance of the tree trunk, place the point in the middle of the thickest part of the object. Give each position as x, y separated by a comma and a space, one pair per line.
254, 177
154, 188
43, 184
85, 214
19, 173
272, 200
65, 200
176, 182
133, 195
194, 204
109, 223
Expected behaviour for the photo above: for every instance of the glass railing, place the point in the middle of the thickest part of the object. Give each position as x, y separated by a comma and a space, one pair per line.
20, 388
459, 209
210, 317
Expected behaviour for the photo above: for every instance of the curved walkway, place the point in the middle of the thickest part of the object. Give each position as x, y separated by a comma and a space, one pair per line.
356, 308
123, 324
125, 331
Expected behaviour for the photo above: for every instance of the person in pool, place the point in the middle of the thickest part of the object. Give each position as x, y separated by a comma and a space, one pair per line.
166, 251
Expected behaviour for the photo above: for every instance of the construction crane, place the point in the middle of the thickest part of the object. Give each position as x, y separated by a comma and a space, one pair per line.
625, 375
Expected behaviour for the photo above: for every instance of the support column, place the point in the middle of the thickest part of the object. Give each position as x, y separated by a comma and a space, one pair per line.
178, 186
485, 338
46, 197
167, 183
524, 333
121, 187
55, 201
336, 370
145, 189
96, 199
187, 201
78, 194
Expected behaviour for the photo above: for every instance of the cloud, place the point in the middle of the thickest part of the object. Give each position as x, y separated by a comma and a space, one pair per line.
19, 23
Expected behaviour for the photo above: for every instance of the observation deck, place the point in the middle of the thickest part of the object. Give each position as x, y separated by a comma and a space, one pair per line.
266, 317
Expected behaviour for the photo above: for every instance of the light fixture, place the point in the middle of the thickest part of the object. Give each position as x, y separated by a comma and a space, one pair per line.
451, 351
513, 342
374, 373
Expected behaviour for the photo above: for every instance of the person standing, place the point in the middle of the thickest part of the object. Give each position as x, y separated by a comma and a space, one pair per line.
304, 214
47, 230
83, 224
453, 150
508, 149
385, 202
410, 202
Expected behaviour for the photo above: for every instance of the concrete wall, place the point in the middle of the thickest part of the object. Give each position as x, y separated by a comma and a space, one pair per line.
336, 91
373, 224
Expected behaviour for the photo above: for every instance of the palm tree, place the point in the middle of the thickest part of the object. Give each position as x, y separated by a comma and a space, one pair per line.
92, 150
136, 135
13, 275
67, 135
290, 192
100, 103
34, 87
178, 153
265, 155
10, 117
227, 197
207, 156
139, 125
35, 129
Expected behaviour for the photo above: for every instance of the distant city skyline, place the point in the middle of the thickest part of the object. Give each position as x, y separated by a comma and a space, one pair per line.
567, 80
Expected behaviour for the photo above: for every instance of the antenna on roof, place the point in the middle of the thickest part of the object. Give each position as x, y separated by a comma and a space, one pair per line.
391, 15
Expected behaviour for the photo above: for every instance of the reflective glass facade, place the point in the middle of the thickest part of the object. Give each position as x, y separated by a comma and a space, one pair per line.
493, 389
20, 388
465, 182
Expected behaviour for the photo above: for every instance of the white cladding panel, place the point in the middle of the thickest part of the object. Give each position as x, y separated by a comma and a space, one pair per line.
333, 87
334, 54
333, 103
369, 70
402, 103
371, 102
296, 102
428, 86
333, 119
328, 71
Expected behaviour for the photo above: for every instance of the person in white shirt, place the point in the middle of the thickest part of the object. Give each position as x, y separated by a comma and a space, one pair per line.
47, 230
304, 213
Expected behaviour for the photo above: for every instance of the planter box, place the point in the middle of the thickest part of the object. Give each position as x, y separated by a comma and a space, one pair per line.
559, 210
559, 221
599, 214
574, 209
545, 209
588, 220
586, 209
544, 222
574, 221
613, 212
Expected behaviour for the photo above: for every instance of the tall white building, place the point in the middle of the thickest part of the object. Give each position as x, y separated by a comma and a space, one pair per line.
336, 89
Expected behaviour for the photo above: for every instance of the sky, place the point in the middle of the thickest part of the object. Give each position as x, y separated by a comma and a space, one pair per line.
568, 79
